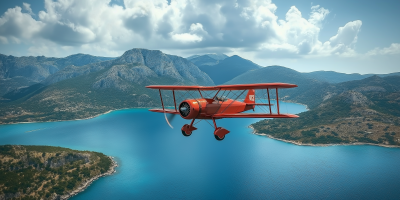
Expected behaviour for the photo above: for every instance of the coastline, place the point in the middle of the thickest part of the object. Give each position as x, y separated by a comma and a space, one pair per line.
91, 117
87, 183
320, 145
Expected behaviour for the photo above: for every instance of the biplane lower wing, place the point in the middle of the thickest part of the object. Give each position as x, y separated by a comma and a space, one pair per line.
253, 115
170, 111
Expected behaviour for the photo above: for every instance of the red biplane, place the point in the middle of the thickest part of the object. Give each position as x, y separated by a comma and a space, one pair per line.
218, 107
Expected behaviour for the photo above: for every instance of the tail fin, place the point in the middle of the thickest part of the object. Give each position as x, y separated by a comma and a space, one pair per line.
250, 97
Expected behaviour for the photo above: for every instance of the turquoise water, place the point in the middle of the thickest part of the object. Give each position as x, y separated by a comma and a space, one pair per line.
157, 162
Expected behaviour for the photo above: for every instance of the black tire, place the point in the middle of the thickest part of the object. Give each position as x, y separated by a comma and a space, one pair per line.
218, 138
186, 135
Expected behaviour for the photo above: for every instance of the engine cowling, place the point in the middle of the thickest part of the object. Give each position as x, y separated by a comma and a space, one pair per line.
190, 109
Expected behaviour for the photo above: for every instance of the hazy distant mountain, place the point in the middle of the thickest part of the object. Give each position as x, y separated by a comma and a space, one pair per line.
79, 92
207, 59
336, 77
204, 60
18, 72
228, 68
216, 56
358, 111
309, 91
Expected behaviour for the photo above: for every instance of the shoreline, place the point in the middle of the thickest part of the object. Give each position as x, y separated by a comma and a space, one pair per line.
319, 145
88, 182
74, 119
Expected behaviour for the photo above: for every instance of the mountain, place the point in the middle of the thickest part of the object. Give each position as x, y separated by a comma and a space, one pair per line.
309, 91
84, 91
143, 65
215, 56
228, 68
336, 77
207, 59
204, 60
362, 111
16, 72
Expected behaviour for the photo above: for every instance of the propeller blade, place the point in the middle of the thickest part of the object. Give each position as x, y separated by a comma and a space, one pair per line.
166, 119
171, 117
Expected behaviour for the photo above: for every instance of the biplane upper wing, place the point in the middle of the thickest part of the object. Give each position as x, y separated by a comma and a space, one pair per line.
223, 87
255, 86
181, 87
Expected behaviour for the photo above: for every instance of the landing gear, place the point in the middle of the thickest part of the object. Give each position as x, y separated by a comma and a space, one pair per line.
188, 129
218, 138
219, 132
186, 134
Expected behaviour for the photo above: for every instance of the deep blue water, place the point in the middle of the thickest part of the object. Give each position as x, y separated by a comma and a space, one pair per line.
157, 162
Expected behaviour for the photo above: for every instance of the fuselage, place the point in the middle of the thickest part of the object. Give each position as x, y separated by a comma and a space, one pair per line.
206, 108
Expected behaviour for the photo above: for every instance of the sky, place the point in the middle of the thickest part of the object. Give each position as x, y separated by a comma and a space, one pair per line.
348, 36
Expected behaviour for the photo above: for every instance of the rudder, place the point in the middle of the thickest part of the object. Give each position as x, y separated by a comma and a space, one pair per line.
250, 97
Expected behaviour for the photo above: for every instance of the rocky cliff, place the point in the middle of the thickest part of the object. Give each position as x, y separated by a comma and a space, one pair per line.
17, 72
137, 66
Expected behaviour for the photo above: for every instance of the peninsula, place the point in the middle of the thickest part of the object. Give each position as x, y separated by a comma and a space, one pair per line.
46, 172
348, 118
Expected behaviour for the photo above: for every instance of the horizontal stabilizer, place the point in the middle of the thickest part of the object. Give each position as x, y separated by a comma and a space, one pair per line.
253, 115
259, 104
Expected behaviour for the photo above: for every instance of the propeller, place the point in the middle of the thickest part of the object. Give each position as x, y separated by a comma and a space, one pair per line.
169, 119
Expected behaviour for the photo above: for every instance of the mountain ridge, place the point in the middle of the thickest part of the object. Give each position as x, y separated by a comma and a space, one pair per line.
228, 68
16, 72
85, 91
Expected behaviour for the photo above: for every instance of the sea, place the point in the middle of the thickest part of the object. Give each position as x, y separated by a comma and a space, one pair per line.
158, 162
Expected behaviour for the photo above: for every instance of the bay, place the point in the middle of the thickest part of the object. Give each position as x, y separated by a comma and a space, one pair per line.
157, 162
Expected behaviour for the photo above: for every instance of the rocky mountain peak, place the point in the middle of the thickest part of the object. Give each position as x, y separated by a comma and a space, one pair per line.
165, 65
355, 98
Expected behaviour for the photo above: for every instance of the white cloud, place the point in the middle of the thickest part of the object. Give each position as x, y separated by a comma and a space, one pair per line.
393, 49
186, 37
347, 35
96, 27
16, 26
317, 15
28, 8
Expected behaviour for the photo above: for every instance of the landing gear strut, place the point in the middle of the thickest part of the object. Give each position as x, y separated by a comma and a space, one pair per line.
219, 132
188, 129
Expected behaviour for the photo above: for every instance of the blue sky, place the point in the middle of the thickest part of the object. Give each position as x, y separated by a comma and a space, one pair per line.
350, 36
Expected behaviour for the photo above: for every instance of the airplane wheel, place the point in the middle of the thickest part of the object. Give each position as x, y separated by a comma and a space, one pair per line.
185, 134
218, 138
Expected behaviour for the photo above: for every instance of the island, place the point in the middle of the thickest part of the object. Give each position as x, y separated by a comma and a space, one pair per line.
47, 172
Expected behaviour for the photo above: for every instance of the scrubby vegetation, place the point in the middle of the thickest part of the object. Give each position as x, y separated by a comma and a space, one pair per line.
351, 117
40, 172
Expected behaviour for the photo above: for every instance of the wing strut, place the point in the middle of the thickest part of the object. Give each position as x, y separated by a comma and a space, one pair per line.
233, 100
216, 93
277, 100
173, 93
201, 94
162, 103
269, 102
